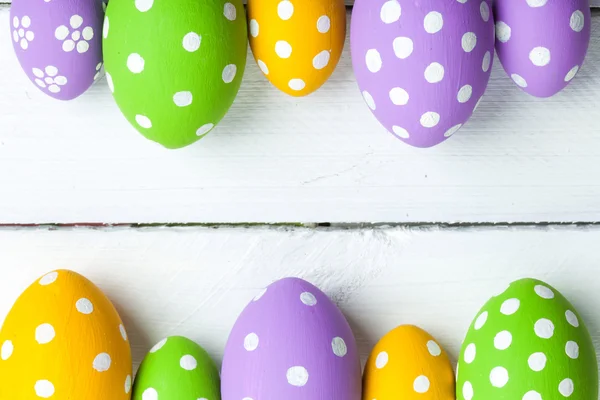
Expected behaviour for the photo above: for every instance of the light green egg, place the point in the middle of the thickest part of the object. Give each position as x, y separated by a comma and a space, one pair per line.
176, 368
528, 343
174, 66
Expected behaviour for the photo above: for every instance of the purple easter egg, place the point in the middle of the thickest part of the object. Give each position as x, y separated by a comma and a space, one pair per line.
422, 65
542, 43
291, 342
58, 43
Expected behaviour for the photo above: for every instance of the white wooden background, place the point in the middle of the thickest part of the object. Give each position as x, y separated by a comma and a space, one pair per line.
531, 163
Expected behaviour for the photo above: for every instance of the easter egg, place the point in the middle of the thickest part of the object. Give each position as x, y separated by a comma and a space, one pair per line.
297, 44
58, 44
408, 363
542, 44
291, 342
422, 65
177, 368
175, 67
527, 343
63, 339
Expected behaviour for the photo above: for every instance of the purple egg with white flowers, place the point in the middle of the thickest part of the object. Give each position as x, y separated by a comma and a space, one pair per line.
422, 65
58, 43
291, 342
542, 43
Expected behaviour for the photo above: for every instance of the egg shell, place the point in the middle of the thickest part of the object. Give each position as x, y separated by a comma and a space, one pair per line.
58, 44
175, 67
527, 343
542, 44
407, 363
297, 44
177, 368
422, 65
291, 342
63, 339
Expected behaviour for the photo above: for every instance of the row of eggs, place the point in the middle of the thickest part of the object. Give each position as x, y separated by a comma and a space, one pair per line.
63, 339
175, 67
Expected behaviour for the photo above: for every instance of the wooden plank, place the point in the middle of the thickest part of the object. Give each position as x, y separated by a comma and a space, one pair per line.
279, 159
195, 282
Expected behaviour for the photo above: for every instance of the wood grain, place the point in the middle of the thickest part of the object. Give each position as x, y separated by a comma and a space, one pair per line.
279, 159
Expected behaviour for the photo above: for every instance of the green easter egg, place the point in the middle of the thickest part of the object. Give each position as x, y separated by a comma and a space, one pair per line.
175, 369
528, 343
174, 66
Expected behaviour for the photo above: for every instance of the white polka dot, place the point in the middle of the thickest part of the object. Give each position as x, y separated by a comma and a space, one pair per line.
102, 362
123, 332
373, 59
84, 306
143, 121
571, 74
480, 321
61, 32
188, 362
510, 306
263, 67
29, 35
44, 389
60, 80
229, 73
128, 384
544, 328
499, 377
503, 31
452, 130
297, 376
44, 333
204, 129
251, 341
544, 292
464, 94
519, 80
430, 119
566, 387
338, 345
285, 10
283, 49
110, 83
254, 28
434, 73
182, 99
369, 100
54, 88
230, 12
323, 24
572, 349
321, 60
50, 277
7, 350
434, 348
540, 56
390, 11
158, 346
572, 318
296, 84
40, 83
381, 360
150, 394
469, 41
502, 340
484, 9
470, 353
487, 60
87, 33
399, 96
577, 21
400, 132
143, 5
421, 384
191, 41
467, 390
15, 22
135, 63
536, 3
260, 294
308, 299
105, 28
532, 395
403, 47
434, 22
537, 361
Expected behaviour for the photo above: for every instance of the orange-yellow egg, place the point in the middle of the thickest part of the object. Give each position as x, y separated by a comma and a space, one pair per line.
297, 43
407, 364
63, 340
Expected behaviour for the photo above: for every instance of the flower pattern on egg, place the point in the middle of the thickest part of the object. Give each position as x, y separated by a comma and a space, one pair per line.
21, 32
75, 38
49, 78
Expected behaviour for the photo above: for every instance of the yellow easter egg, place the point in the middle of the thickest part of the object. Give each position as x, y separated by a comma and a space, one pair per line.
64, 340
407, 364
297, 43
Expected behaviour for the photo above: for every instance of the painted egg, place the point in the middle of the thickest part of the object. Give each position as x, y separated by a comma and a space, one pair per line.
58, 44
177, 368
297, 44
527, 343
175, 67
63, 339
422, 65
291, 342
542, 44
408, 363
